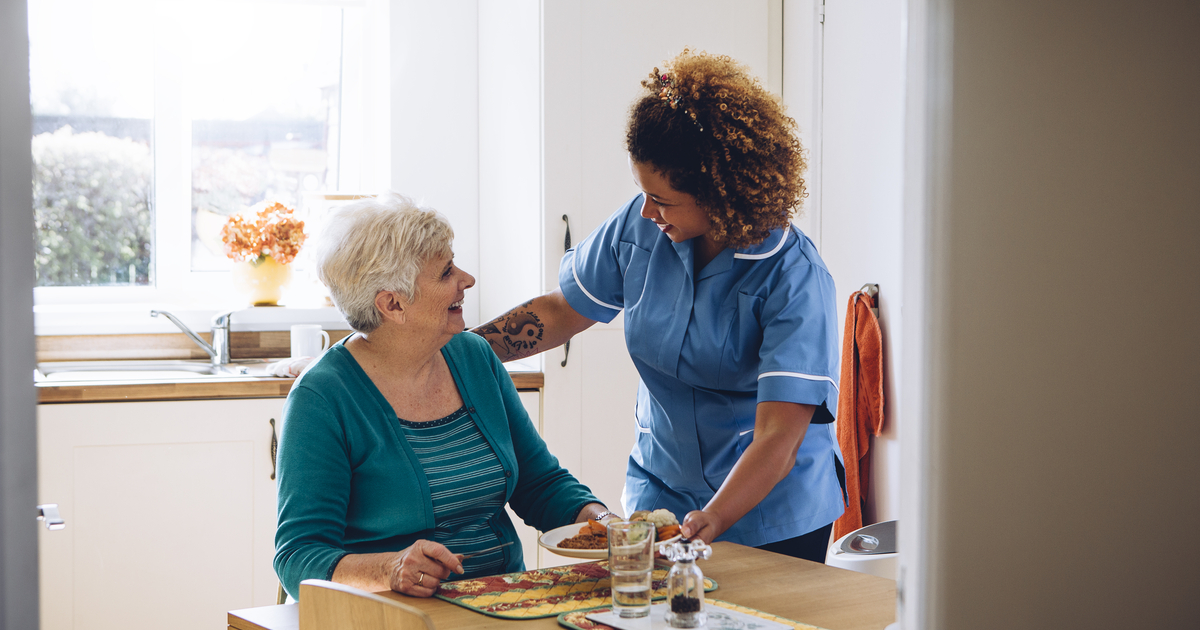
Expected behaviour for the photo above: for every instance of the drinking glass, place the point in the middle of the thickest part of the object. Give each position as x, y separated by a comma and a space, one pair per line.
630, 561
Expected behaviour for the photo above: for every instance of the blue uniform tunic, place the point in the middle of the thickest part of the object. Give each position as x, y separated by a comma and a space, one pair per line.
756, 324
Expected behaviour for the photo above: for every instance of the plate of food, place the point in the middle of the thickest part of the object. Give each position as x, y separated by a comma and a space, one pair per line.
589, 541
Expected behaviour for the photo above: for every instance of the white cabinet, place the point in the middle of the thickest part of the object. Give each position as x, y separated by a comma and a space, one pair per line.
170, 512
535, 556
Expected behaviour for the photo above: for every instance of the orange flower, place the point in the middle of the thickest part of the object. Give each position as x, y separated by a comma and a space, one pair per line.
274, 232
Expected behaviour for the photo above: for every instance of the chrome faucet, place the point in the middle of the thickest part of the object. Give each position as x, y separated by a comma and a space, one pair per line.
219, 350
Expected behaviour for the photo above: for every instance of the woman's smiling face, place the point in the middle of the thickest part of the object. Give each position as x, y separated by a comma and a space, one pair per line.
675, 213
441, 287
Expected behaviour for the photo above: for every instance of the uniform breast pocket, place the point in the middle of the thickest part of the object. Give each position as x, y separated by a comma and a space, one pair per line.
739, 357
633, 263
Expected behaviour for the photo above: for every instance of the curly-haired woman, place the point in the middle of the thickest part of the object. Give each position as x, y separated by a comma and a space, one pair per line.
729, 314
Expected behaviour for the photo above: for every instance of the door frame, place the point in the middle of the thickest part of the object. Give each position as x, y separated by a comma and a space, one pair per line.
18, 398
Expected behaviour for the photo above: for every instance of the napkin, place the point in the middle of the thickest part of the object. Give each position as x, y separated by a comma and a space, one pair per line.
290, 367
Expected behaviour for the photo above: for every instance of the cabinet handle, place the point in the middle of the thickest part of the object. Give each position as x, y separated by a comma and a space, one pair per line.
274, 448
566, 247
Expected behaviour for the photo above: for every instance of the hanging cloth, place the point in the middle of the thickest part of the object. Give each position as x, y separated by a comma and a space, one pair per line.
860, 404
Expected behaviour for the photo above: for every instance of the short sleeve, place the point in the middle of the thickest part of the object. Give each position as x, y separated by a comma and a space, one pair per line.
590, 273
799, 358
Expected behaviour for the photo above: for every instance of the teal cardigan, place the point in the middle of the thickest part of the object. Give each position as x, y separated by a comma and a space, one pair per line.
350, 483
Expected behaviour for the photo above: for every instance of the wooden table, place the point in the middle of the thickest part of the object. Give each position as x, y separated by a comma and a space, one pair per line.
804, 591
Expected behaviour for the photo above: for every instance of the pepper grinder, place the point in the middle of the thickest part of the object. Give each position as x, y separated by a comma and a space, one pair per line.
685, 584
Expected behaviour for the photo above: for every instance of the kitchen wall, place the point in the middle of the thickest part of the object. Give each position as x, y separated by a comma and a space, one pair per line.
466, 136
849, 72
1053, 215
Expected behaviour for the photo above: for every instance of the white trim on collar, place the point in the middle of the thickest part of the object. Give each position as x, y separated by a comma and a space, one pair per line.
769, 254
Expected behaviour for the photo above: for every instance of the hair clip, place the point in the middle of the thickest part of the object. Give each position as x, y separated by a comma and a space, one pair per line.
666, 92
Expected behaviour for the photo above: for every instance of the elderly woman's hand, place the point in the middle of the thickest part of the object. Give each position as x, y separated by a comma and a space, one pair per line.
418, 570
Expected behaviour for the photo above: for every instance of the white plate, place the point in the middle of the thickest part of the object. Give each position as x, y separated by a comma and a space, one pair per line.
550, 540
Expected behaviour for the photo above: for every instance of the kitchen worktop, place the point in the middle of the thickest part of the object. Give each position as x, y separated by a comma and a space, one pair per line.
213, 388
248, 345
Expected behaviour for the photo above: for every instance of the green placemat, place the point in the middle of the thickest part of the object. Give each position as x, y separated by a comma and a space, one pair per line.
577, 619
546, 592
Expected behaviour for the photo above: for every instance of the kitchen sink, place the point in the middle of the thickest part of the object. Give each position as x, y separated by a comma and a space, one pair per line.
92, 371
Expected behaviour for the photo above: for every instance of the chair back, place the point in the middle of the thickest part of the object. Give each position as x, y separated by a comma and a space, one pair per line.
329, 606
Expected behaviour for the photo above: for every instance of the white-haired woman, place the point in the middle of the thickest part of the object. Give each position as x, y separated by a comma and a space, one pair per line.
402, 444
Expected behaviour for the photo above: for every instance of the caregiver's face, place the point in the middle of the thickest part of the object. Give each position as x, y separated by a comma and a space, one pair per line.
675, 213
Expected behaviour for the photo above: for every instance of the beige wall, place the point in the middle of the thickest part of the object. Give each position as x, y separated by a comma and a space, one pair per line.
1062, 316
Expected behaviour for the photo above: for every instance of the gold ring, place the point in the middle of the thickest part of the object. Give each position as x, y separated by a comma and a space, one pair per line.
420, 577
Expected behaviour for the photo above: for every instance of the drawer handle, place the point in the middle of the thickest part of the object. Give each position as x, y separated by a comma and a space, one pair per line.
274, 448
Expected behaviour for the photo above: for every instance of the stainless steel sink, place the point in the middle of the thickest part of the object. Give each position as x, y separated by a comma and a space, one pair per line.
92, 371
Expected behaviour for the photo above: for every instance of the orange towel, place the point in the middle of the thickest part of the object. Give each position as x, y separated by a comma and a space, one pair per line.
860, 404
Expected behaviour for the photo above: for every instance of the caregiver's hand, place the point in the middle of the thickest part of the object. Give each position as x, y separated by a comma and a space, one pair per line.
703, 525
779, 429
418, 570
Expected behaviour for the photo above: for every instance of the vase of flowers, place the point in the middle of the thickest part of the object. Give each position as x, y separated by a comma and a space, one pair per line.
263, 245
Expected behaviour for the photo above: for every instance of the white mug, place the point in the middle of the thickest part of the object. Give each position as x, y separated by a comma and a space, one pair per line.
308, 340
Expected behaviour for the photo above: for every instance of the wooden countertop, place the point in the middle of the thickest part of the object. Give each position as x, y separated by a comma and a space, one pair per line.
803, 591
176, 346
202, 389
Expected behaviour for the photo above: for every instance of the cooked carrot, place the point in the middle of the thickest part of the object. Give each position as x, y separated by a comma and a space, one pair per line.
667, 531
597, 527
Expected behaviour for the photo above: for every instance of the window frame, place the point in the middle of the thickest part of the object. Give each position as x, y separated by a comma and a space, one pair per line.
364, 167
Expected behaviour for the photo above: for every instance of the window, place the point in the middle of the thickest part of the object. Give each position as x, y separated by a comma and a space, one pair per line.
92, 144
155, 120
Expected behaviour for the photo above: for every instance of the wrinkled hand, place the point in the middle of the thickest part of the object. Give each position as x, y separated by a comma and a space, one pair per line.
703, 525
418, 570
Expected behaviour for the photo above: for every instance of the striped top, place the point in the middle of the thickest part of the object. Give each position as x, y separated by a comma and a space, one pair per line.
467, 484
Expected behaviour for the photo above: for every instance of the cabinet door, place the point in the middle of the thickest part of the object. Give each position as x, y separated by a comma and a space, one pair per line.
170, 512
532, 400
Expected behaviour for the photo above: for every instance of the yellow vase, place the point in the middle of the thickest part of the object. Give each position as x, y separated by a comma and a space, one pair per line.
262, 279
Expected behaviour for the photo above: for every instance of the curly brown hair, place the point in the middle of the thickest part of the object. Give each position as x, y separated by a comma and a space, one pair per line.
710, 127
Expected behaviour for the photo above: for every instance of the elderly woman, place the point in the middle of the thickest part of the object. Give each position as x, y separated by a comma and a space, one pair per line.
402, 444
729, 314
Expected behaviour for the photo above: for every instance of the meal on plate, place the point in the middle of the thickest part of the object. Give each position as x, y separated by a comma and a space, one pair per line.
594, 535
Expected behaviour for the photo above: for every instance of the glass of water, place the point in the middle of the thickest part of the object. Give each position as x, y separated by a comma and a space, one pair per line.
630, 561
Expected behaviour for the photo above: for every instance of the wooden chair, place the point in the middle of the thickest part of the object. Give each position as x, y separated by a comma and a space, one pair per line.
329, 606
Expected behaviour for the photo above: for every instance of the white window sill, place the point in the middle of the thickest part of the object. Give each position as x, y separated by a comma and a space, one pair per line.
126, 319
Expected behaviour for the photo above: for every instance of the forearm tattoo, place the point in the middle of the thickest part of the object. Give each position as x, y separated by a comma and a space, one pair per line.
515, 334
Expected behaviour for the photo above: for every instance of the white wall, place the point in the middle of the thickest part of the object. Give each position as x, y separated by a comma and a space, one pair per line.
510, 145
801, 57
435, 117
1060, 214
861, 118
466, 136
18, 472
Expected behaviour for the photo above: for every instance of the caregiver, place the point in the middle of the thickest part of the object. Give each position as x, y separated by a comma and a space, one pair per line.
729, 314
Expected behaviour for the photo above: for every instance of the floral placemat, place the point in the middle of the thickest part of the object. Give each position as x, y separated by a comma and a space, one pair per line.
546, 592
577, 619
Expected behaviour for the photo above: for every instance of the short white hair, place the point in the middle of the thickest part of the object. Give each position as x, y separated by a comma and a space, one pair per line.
378, 244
